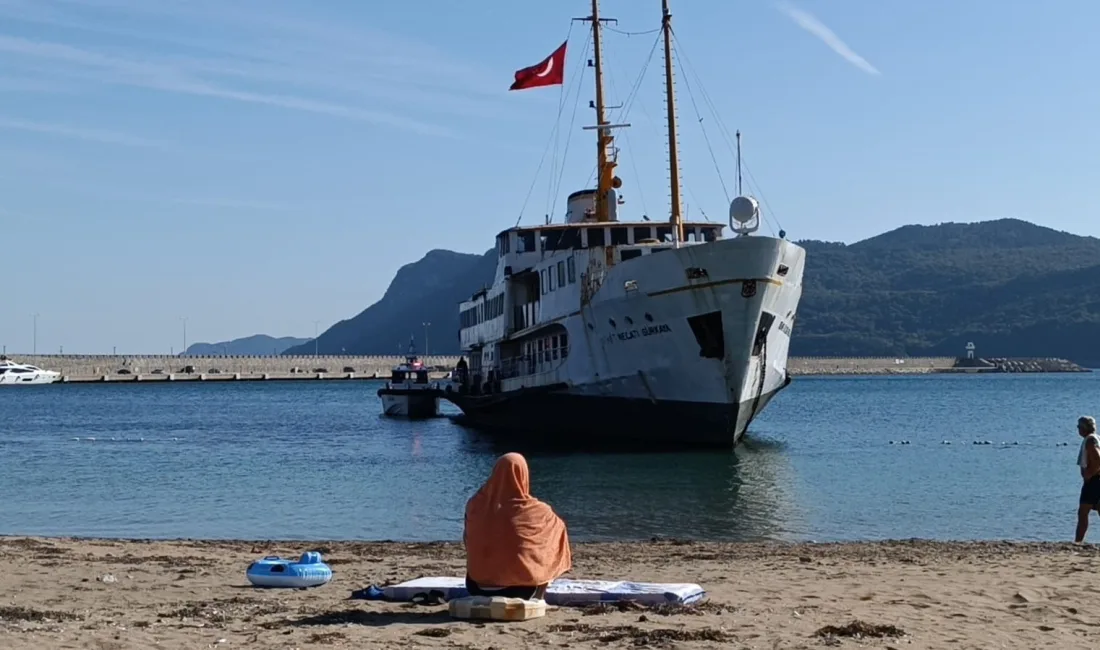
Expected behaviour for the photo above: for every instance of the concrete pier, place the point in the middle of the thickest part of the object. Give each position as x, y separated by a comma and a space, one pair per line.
158, 368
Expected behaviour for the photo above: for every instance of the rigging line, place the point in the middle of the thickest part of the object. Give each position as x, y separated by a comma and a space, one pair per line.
771, 213
545, 150
563, 94
688, 185
707, 101
627, 105
706, 138
569, 138
554, 183
626, 33
723, 131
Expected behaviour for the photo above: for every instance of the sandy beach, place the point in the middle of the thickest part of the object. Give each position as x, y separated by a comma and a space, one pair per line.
114, 595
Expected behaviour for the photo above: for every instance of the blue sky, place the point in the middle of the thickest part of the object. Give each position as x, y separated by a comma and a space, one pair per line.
257, 166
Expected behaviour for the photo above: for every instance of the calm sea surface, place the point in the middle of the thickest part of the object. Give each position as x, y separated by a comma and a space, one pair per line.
309, 460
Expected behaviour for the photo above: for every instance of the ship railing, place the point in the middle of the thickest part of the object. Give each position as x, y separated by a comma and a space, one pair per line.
528, 365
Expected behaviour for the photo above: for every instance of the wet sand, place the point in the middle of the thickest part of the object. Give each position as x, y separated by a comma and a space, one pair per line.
115, 595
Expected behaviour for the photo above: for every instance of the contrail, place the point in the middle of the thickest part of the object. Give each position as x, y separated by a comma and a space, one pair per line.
814, 26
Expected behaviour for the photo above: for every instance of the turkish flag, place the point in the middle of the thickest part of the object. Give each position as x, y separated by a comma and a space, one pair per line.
549, 72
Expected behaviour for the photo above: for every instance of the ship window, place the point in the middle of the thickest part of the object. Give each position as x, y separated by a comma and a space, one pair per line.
397, 375
642, 232
551, 240
561, 273
570, 239
526, 242
555, 348
707, 329
564, 345
422, 377
664, 233
545, 283
618, 236
542, 351
630, 254
710, 234
595, 237
550, 274
572, 270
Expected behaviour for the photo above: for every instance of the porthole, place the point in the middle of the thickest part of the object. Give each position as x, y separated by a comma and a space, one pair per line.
612, 322
649, 317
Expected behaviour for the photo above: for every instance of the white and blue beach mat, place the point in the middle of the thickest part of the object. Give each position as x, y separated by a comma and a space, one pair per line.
561, 592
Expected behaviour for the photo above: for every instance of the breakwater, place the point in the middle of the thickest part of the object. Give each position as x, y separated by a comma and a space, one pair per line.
81, 368
121, 366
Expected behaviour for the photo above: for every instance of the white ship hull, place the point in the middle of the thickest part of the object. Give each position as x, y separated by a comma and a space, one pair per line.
637, 369
416, 403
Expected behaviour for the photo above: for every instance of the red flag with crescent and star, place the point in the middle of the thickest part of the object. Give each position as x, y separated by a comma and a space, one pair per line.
549, 72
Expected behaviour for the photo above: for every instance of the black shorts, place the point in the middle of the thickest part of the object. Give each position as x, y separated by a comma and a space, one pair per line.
1090, 492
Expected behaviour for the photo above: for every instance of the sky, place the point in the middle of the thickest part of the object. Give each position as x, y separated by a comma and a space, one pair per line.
266, 166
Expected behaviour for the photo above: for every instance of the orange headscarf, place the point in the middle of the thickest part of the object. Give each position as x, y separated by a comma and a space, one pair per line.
513, 539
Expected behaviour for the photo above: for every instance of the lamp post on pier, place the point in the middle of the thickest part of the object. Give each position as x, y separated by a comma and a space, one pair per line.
426, 326
316, 342
34, 343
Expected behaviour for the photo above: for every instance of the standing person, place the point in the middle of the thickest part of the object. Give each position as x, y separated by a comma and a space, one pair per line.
515, 544
1089, 461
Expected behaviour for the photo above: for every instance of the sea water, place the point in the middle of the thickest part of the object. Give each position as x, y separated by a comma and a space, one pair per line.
831, 458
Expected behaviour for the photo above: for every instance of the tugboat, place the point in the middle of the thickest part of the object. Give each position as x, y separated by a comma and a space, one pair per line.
408, 393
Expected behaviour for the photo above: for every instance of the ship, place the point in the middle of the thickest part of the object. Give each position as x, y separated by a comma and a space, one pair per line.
604, 329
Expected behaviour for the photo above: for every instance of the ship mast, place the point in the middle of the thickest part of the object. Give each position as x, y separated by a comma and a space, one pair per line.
604, 139
676, 217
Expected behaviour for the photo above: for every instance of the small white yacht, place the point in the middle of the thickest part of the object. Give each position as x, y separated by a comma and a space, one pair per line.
408, 393
17, 374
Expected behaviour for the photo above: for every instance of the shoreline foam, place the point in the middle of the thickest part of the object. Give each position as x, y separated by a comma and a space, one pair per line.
122, 594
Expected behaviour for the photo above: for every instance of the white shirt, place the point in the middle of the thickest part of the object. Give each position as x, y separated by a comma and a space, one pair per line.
1082, 459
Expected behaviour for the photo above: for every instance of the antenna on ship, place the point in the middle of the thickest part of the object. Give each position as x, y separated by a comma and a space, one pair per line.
738, 136
670, 99
744, 210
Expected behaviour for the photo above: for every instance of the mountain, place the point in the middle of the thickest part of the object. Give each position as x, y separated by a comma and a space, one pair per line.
1013, 288
426, 291
259, 344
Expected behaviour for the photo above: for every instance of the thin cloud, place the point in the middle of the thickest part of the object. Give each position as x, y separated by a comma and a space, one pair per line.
92, 135
808, 22
21, 85
120, 71
264, 57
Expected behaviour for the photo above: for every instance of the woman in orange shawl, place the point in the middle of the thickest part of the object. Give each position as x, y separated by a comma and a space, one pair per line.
515, 544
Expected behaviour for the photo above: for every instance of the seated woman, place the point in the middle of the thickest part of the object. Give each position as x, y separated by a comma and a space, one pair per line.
515, 544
